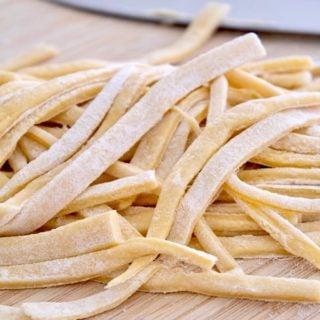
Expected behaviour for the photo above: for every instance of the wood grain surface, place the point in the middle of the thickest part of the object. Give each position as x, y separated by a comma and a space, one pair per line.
85, 35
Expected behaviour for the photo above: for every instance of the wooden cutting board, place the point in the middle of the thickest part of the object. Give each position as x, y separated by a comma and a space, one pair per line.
85, 35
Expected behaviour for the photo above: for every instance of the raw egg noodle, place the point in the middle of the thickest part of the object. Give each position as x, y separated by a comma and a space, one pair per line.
157, 174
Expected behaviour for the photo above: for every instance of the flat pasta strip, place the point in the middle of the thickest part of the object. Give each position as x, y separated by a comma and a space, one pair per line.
12, 206
285, 175
122, 169
58, 132
291, 238
221, 223
90, 265
233, 285
249, 246
61, 69
218, 99
30, 148
211, 243
114, 190
240, 79
89, 306
196, 34
273, 199
87, 235
292, 190
128, 231
33, 56
223, 207
58, 222
13, 86
283, 64
68, 117
7, 76
291, 80
93, 211
68, 100
279, 158
299, 143
178, 142
193, 123
240, 95
17, 160
33, 186
41, 136
239, 223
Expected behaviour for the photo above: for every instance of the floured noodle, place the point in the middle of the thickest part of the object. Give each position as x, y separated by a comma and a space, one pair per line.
8, 76
28, 58
63, 242
114, 190
240, 79
196, 34
298, 143
31, 148
17, 160
88, 265
222, 223
13, 86
289, 80
56, 70
68, 117
41, 136
218, 99
146, 176
178, 142
280, 158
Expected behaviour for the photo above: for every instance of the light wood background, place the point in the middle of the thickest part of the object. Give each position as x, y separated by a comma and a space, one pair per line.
85, 35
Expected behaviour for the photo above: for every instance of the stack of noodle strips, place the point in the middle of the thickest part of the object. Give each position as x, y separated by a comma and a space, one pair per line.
157, 176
